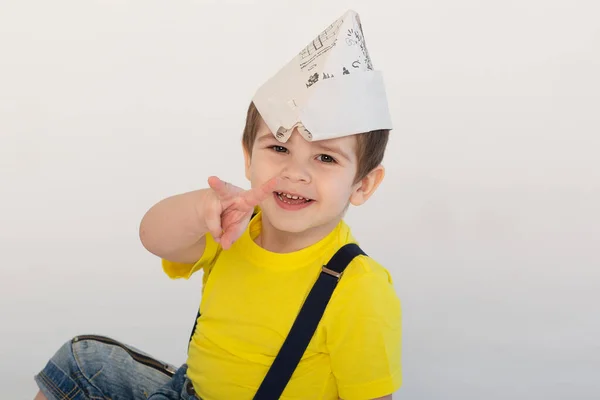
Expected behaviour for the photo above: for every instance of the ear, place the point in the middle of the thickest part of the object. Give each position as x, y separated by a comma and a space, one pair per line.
367, 186
247, 159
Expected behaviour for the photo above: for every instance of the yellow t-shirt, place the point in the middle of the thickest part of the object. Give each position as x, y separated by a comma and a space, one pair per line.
250, 300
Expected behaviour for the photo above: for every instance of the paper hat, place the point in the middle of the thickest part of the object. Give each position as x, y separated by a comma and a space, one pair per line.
328, 90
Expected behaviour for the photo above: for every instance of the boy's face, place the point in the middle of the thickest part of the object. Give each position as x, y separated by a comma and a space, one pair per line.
319, 176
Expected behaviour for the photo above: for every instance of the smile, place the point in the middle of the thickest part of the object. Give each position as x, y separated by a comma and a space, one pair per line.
291, 201
292, 198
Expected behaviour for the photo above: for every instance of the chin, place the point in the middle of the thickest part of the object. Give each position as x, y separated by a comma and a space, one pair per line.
296, 224
290, 225
285, 222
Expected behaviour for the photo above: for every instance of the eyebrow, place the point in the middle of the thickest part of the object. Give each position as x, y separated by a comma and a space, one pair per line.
333, 149
265, 137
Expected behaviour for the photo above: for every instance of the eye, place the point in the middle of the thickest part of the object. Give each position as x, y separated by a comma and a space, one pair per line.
279, 149
326, 159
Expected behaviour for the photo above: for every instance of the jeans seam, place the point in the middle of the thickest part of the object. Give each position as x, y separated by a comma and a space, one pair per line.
80, 371
57, 391
51, 386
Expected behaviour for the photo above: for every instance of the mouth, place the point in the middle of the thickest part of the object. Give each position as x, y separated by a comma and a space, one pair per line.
292, 198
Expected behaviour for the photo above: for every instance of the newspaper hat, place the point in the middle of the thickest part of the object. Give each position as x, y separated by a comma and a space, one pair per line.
328, 90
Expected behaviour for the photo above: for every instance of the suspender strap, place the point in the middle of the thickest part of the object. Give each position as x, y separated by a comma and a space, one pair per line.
305, 324
194, 328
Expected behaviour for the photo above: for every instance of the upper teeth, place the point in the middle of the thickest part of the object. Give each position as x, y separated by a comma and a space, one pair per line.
289, 196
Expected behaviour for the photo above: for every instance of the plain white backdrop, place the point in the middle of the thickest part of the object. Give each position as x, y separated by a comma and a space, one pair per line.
488, 218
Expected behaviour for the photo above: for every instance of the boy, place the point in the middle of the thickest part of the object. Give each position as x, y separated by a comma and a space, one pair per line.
261, 251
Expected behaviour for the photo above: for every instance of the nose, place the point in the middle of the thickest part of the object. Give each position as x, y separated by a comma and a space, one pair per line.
295, 171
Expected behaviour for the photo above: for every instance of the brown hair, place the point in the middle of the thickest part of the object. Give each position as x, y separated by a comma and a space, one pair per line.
370, 146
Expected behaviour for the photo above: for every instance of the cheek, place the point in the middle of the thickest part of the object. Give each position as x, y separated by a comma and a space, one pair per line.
261, 168
337, 188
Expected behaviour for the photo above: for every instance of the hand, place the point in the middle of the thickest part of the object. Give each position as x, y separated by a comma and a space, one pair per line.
228, 208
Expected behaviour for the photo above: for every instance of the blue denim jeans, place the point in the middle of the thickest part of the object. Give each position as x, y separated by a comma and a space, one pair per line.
92, 367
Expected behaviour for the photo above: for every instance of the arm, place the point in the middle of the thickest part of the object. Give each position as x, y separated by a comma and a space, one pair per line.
174, 228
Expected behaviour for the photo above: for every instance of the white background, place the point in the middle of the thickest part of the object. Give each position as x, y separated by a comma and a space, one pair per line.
488, 219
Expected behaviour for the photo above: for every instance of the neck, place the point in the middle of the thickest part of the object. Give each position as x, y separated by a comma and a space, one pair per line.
277, 241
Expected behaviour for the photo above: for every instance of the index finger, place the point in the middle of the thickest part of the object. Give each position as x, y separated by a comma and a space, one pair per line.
254, 196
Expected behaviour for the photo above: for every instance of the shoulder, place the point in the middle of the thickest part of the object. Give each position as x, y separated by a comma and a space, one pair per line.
365, 267
362, 267
366, 286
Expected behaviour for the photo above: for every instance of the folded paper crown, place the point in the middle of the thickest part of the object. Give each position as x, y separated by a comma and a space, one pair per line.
328, 90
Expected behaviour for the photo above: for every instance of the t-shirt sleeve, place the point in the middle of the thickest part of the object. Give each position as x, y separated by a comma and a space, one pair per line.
364, 337
176, 270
